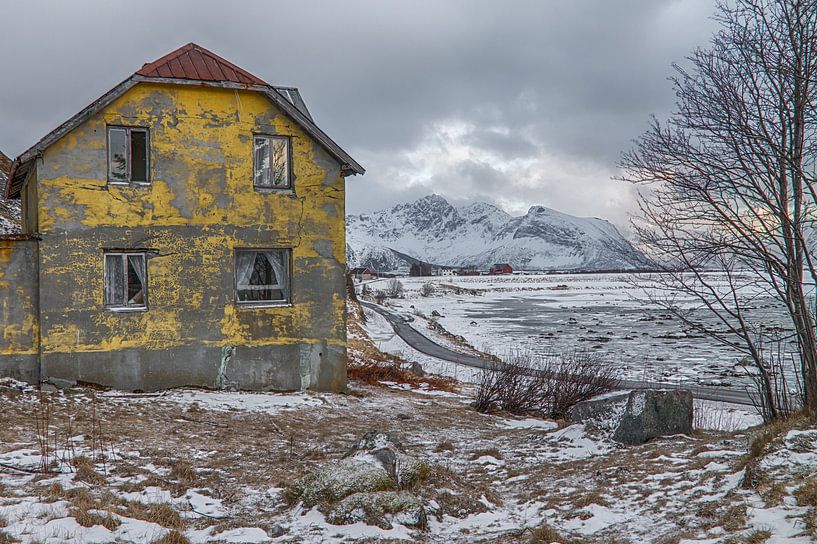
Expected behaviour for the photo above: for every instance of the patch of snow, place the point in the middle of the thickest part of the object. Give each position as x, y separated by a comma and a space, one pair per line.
529, 423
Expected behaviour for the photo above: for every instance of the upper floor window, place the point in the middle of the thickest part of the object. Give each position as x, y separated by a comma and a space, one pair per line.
128, 156
272, 162
125, 281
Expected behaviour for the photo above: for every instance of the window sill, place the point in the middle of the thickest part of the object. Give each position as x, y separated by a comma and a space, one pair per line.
125, 309
260, 305
273, 190
130, 183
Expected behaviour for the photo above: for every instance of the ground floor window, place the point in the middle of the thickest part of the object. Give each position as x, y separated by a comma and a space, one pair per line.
125, 281
262, 276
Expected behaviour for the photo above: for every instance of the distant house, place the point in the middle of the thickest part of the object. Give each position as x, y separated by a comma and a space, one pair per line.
445, 271
362, 273
500, 268
468, 271
420, 269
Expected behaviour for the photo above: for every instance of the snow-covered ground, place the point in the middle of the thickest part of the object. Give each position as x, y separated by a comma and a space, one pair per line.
604, 314
222, 460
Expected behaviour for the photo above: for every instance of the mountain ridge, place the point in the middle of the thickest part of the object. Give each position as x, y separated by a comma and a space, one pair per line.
479, 234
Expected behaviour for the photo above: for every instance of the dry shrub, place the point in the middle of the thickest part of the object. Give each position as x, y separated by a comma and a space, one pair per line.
542, 385
375, 372
5, 538
172, 537
445, 445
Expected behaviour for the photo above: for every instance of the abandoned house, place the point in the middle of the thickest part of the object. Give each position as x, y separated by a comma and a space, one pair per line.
186, 228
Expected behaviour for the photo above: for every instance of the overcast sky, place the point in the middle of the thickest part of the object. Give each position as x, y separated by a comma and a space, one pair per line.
515, 103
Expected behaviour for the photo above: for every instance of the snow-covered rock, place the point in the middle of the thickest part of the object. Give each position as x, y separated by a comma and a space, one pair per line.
376, 463
479, 234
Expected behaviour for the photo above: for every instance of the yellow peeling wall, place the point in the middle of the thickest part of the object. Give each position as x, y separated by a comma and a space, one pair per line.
199, 207
19, 327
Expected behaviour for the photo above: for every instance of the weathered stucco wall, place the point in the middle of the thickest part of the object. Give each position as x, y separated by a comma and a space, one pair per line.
199, 207
18, 309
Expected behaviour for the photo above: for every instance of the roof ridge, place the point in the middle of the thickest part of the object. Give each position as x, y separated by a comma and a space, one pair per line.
190, 61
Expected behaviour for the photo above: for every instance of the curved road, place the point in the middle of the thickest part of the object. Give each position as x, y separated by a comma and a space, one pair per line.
423, 344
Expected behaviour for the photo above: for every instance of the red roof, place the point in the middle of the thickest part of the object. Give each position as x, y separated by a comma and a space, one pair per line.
195, 62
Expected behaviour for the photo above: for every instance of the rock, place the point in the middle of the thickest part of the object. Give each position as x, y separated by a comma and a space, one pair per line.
652, 413
337, 480
275, 531
377, 462
638, 416
435, 313
388, 450
416, 368
380, 509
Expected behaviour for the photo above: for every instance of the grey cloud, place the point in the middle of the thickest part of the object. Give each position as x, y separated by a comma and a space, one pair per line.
575, 80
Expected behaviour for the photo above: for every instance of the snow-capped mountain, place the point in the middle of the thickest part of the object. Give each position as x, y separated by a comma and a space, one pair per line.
479, 234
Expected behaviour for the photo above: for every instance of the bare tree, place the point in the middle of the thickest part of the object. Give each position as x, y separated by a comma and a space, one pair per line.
731, 177
394, 289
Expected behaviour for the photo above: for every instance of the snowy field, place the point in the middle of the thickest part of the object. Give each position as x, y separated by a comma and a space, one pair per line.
604, 314
198, 466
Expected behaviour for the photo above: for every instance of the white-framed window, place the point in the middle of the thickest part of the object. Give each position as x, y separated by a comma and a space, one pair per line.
126, 281
128, 155
272, 161
262, 277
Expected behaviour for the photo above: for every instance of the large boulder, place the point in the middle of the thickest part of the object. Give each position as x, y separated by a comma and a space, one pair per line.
652, 413
339, 479
376, 463
387, 449
636, 417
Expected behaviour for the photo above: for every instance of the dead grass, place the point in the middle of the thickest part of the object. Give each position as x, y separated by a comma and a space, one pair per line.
758, 536
183, 472
767, 434
172, 537
89, 519
5, 538
806, 494
161, 513
545, 534
444, 445
491, 452
86, 472
733, 518
594, 497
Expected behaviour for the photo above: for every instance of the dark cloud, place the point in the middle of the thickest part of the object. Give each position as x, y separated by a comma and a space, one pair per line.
542, 95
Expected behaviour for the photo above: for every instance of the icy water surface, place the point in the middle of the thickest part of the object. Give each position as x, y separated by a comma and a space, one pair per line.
604, 314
